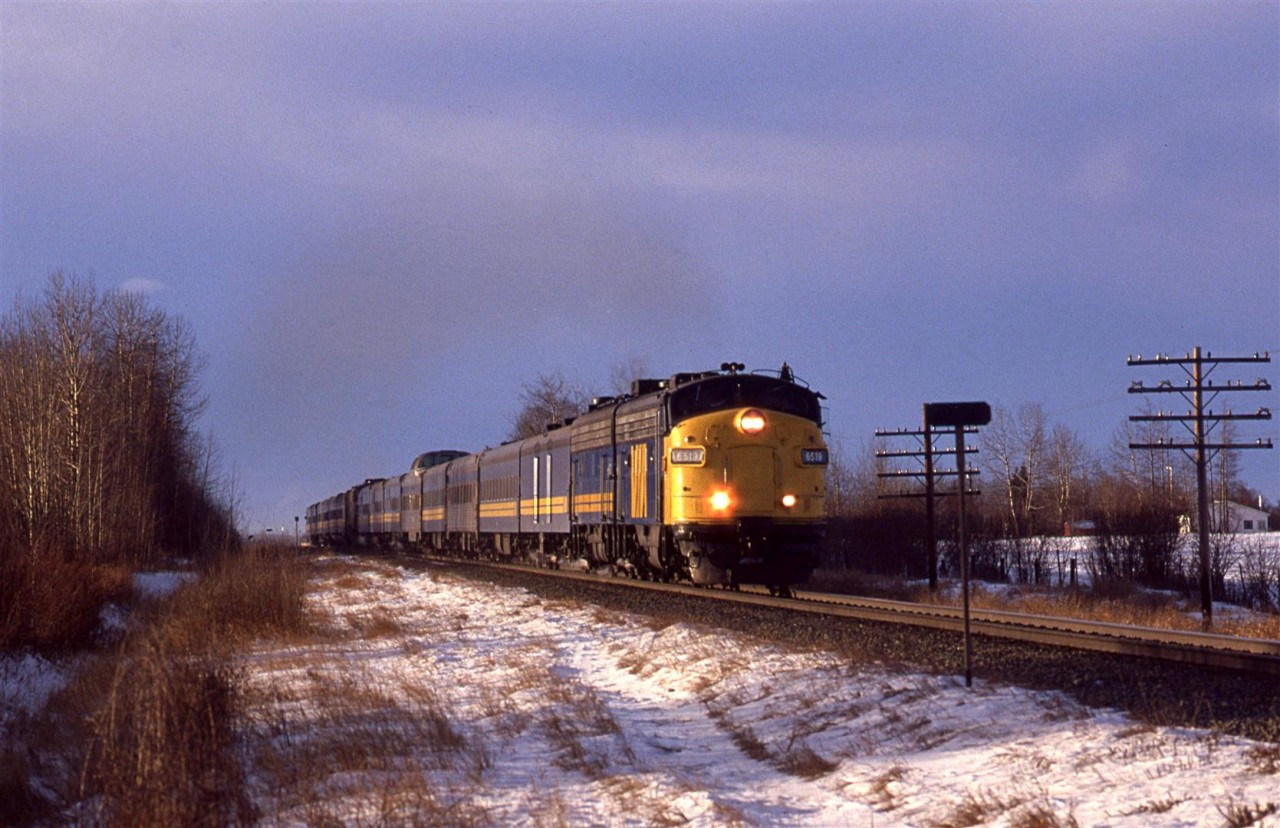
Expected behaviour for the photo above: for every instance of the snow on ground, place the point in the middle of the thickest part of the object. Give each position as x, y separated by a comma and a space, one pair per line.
157, 585
26, 683
455, 702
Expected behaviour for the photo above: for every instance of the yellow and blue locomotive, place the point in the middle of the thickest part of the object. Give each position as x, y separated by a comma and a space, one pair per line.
716, 477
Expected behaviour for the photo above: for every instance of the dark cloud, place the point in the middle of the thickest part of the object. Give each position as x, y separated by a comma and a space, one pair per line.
381, 219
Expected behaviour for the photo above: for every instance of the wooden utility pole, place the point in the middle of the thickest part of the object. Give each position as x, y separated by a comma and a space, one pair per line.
1200, 392
925, 438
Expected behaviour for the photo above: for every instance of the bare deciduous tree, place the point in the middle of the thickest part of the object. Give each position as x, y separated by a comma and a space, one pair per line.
547, 400
632, 368
98, 456
1014, 452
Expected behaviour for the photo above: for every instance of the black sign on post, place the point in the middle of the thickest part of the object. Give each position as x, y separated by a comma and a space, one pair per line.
958, 415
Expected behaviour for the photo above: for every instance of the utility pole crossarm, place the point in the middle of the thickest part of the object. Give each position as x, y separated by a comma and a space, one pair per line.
1260, 414
936, 452
922, 495
1191, 359
1137, 387
907, 432
1262, 443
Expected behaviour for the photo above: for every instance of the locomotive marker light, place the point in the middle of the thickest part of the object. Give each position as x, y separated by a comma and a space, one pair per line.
958, 416
788, 501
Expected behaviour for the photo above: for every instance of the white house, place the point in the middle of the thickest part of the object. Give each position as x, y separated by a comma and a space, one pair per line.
1239, 517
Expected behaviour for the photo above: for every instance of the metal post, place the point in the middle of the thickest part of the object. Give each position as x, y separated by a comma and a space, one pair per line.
964, 561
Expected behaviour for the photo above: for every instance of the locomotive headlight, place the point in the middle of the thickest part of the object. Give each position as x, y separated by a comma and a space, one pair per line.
788, 501
720, 501
751, 421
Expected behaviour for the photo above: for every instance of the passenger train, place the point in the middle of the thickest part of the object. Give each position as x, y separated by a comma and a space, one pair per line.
716, 477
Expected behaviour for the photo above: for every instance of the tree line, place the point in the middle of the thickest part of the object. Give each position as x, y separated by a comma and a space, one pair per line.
1038, 479
100, 460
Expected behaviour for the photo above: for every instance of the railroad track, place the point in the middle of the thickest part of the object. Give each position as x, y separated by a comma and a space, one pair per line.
1253, 655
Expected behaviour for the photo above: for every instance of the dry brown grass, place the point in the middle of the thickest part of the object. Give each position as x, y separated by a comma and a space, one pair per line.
147, 733
162, 750
580, 727
1157, 806
851, 582
795, 758
242, 596
375, 623
349, 741
1117, 603
52, 604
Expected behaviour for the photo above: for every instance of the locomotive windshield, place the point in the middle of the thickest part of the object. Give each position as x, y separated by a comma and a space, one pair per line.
740, 390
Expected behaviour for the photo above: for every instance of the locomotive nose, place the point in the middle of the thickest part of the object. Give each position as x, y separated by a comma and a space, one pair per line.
753, 472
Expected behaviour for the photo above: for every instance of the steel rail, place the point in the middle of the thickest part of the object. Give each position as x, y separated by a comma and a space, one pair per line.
1253, 655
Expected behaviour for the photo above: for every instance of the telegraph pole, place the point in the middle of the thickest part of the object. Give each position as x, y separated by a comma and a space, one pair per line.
925, 438
1200, 392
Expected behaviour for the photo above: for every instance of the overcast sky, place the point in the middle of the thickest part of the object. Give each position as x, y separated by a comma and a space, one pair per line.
380, 219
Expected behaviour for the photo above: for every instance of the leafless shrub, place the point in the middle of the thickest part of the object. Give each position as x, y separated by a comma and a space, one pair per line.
1041, 815
1158, 806
1242, 815
803, 762
1258, 569
1265, 759
976, 808
53, 602
549, 399
880, 788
